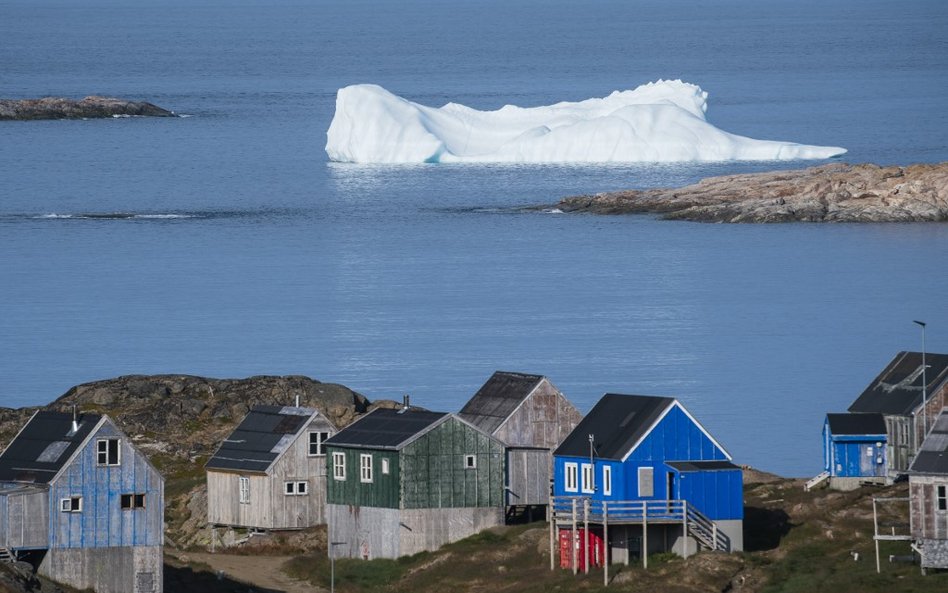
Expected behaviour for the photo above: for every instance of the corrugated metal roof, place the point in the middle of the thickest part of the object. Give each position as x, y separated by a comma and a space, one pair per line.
898, 388
856, 424
618, 422
43, 446
497, 399
701, 466
385, 429
260, 438
932, 458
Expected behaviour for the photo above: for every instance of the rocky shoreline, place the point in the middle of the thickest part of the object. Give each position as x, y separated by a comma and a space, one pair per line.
88, 108
837, 192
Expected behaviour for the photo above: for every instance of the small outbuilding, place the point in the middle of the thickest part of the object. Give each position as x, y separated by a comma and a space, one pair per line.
928, 496
406, 481
270, 473
83, 504
854, 450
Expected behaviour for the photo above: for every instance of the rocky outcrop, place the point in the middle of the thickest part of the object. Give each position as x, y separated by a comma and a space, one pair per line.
831, 193
88, 108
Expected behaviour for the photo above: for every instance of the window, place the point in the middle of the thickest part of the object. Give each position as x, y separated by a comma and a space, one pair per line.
107, 452
339, 466
646, 483
365, 467
607, 480
470, 461
385, 466
71, 505
941, 495
316, 440
570, 471
133, 501
295, 488
589, 482
244, 490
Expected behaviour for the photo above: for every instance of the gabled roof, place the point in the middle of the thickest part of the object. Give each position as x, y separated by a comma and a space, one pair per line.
263, 435
498, 398
386, 429
898, 388
618, 423
932, 458
856, 424
44, 445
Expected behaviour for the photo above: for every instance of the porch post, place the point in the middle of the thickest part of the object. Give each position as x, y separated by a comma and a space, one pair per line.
605, 537
586, 534
551, 517
644, 534
684, 525
572, 542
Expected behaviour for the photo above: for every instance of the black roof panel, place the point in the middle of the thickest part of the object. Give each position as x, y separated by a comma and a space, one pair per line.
260, 438
43, 446
856, 424
497, 399
385, 429
701, 466
617, 422
932, 458
898, 388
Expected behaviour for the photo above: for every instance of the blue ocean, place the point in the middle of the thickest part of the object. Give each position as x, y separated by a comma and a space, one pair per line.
226, 244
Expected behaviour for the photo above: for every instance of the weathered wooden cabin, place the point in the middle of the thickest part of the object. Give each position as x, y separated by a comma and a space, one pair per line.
270, 473
854, 450
80, 501
641, 475
406, 481
897, 394
928, 496
531, 417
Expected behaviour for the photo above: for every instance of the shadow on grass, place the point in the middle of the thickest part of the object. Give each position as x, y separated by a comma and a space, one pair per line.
764, 528
184, 579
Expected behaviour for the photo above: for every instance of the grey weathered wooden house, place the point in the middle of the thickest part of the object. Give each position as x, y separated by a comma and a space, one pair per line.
928, 496
897, 394
80, 501
270, 473
406, 481
531, 417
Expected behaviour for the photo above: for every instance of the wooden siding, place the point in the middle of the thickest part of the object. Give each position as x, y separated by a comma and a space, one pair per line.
544, 419
102, 521
528, 476
927, 522
382, 492
433, 472
106, 570
901, 438
24, 519
223, 500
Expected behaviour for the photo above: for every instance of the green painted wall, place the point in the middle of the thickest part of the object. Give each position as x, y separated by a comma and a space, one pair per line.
381, 492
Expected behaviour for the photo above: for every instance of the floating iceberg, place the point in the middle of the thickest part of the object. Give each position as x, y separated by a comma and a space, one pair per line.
662, 121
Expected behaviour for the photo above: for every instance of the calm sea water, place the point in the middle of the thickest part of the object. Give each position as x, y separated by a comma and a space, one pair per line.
248, 253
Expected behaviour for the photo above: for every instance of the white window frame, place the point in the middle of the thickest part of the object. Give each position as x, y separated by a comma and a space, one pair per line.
243, 490
941, 498
101, 451
72, 504
570, 477
385, 466
321, 437
339, 466
365, 468
588, 478
295, 488
470, 462
650, 471
607, 480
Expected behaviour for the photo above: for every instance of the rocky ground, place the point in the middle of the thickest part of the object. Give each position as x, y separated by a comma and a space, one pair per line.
88, 108
830, 193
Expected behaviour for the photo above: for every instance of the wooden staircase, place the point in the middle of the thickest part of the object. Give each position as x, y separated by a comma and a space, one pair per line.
7, 555
816, 481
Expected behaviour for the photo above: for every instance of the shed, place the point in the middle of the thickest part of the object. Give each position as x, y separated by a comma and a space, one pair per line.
531, 417
854, 449
80, 499
407, 481
928, 496
650, 469
270, 472
897, 394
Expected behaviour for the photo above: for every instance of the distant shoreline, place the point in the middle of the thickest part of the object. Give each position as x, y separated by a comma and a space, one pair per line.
88, 108
837, 192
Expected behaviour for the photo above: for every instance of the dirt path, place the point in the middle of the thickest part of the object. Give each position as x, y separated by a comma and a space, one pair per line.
260, 571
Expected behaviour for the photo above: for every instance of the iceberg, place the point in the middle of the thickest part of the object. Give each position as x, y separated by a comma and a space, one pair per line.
661, 121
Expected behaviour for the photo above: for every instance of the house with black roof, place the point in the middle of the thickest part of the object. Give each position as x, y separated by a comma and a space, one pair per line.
406, 481
928, 496
897, 394
648, 478
854, 450
531, 417
83, 504
270, 472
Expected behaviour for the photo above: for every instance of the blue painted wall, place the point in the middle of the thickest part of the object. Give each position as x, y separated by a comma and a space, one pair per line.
102, 521
854, 456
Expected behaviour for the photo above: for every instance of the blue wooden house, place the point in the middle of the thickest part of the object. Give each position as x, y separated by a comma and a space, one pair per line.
854, 449
644, 472
81, 502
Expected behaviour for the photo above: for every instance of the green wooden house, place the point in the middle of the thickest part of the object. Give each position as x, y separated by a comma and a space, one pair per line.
405, 481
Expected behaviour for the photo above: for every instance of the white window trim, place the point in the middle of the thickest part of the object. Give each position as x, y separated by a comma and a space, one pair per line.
320, 443
607, 480
470, 462
365, 468
339, 466
385, 466
65, 504
570, 477
98, 451
941, 498
295, 488
588, 478
243, 487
